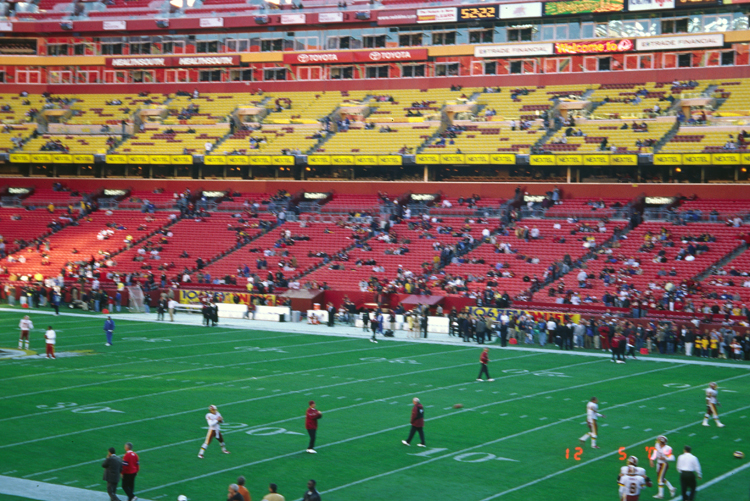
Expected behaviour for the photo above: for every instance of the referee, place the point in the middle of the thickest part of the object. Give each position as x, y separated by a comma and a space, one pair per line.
689, 467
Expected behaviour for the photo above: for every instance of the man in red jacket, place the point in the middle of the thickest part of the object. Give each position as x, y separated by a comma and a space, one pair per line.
311, 424
484, 359
417, 424
130, 467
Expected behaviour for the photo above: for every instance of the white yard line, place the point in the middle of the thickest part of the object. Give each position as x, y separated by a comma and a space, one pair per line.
140, 361
492, 442
234, 381
717, 479
235, 402
566, 470
386, 430
192, 369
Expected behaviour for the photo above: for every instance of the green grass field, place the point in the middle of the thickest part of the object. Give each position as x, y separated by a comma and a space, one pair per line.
509, 441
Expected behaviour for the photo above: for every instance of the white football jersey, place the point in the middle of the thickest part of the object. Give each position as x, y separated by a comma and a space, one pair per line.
662, 453
711, 395
213, 421
592, 411
638, 471
632, 484
25, 325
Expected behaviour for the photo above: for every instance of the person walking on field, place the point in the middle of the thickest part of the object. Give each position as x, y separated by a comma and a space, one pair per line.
25, 325
311, 425
109, 327
112, 468
50, 336
130, 467
688, 466
312, 493
484, 359
417, 424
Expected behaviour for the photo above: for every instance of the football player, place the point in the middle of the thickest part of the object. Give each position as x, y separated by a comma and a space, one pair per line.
632, 464
712, 393
662, 454
592, 416
633, 483
214, 420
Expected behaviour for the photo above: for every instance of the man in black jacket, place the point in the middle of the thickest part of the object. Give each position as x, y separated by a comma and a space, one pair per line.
112, 468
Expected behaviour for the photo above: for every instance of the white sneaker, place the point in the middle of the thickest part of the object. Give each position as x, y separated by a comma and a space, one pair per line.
672, 491
312, 451
226, 451
107, 344
405, 443
479, 379
490, 380
658, 496
421, 445
200, 456
719, 425
705, 423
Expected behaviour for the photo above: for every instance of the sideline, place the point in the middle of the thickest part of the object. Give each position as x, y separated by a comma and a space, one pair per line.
42, 491
354, 332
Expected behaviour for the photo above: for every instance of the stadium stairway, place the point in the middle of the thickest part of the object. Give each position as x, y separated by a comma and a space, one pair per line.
667, 137
231, 250
728, 258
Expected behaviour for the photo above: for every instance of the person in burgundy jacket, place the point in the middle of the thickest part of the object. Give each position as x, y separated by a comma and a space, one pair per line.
484, 359
311, 424
417, 424
130, 467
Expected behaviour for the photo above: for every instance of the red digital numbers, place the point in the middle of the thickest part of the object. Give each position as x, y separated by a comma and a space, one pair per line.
577, 453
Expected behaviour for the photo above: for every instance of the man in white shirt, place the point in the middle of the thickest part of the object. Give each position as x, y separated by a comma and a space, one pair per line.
171, 305
582, 276
688, 466
50, 337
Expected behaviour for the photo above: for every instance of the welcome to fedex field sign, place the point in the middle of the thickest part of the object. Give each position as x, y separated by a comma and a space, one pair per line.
363, 56
595, 47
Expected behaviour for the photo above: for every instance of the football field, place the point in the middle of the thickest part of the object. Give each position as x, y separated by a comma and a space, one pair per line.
514, 439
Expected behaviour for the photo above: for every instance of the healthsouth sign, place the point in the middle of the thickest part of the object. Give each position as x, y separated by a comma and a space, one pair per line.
364, 56
158, 62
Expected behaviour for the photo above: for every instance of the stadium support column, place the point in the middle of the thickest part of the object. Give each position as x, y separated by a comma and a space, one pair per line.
426, 173
736, 173
703, 173
568, 175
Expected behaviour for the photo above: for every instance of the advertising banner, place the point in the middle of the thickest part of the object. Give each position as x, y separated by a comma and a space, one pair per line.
595, 47
394, 17
189, 296
439, 15
521, 10
567, 7
680, 42
496, 313
330, 17
638, 5
515, 49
